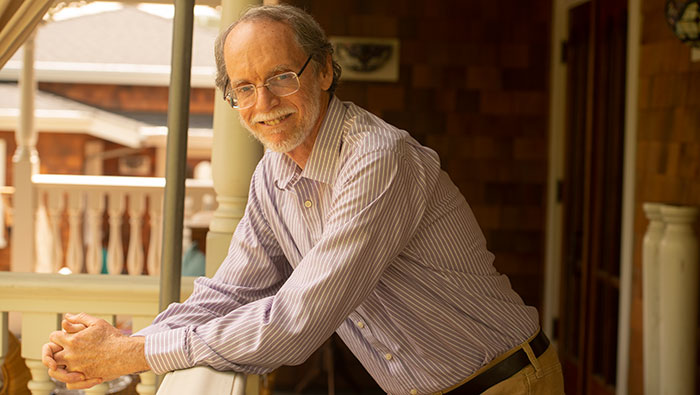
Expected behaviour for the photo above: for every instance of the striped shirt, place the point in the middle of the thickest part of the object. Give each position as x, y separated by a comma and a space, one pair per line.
371, 240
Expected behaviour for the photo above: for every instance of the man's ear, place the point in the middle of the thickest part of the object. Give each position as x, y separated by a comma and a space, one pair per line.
327, 74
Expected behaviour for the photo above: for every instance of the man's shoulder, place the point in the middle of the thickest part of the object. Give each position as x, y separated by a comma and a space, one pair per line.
367, 132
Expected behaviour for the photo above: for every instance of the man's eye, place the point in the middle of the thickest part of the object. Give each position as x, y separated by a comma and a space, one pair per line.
245, 90
283, 77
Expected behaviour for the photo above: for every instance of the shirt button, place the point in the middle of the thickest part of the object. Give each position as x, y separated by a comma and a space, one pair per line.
307, 204
388, 356
360, 324
414, 391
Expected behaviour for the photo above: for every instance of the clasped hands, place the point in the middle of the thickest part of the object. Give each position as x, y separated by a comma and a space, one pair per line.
89, 351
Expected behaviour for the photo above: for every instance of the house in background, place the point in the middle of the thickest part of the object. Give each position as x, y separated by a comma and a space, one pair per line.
557, 119
122, 72
101, 107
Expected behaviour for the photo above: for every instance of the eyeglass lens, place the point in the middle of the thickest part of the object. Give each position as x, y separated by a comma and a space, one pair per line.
280, 85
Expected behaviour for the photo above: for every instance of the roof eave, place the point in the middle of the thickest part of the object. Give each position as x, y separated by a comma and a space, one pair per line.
117, 74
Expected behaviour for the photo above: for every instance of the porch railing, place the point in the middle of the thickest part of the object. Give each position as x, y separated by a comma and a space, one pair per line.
73, 212
43, 298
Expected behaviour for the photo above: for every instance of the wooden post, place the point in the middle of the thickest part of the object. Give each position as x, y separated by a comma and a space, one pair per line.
234, 157
678, 254
650, 297
25, 163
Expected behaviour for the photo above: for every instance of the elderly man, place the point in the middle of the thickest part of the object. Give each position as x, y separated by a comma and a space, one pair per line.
351, 227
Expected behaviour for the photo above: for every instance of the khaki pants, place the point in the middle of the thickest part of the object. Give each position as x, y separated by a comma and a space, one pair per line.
542, 376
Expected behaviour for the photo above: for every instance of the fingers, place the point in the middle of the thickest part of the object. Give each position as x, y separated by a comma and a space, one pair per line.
70, 327
47, 354
65, 376
81, 318
58, 337
83, 384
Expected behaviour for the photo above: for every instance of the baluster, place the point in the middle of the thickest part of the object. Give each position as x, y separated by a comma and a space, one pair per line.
43, 238
678, 252
147, 386
36, 328
74, 254
186, 230
115, 249
55, 211
134, 260
95, 209
155, 209
650, 293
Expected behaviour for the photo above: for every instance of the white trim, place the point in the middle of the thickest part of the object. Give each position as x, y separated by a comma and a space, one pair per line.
556, 168
557, 119
197, 139
107, 73
634, 39
116, 129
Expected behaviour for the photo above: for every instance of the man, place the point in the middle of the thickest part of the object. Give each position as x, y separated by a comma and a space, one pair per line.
351, 227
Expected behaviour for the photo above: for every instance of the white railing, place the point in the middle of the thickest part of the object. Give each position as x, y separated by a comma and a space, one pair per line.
43, 298
70, 206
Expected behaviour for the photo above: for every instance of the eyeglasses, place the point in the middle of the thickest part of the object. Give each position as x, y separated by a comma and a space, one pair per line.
280, 85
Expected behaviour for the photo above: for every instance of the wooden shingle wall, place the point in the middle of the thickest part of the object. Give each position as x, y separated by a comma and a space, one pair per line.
473, 85
668, 145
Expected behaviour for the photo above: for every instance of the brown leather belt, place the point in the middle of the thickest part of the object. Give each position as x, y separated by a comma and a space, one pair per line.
504, 369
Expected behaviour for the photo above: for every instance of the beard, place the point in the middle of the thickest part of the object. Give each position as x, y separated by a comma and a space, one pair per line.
293, 135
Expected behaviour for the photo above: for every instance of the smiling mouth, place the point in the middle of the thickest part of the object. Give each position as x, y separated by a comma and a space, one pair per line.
276, 121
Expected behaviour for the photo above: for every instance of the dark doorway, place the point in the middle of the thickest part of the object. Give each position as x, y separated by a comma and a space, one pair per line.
592, 196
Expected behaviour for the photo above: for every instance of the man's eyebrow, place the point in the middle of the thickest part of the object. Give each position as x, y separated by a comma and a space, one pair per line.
278, 69
282, 68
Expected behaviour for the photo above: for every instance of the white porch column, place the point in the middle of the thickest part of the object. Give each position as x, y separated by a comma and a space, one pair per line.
233, 158
25, 163
650, 297
678, 255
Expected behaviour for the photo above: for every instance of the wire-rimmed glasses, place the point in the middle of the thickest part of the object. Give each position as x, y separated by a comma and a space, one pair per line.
280, 85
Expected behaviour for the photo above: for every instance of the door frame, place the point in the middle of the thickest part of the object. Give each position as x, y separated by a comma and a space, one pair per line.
557, 119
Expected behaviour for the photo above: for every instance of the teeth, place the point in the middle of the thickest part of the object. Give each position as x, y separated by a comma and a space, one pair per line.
273, 122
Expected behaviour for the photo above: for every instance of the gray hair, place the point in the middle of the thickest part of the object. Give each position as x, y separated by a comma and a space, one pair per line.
307, 33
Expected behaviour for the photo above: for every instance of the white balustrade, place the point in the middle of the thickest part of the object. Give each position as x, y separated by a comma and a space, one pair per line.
55, 212
43, 298
89, 199
155, 210
650, 297
135, 259
678, 258
95, 208
115, 248
74, 254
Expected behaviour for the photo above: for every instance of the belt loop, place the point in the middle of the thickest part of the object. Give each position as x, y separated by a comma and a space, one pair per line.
533, 359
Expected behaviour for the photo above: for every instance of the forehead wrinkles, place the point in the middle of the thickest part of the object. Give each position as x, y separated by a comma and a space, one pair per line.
257, 50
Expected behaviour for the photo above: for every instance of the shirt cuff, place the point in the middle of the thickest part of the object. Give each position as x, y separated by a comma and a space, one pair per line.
167, 351
151, 329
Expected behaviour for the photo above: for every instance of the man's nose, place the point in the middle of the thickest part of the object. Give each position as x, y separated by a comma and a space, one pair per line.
266, 99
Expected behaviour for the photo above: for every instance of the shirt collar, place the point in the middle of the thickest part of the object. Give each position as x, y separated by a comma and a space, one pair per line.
321, 165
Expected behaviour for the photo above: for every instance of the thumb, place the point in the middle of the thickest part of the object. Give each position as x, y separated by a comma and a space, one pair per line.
82, 318
70, 327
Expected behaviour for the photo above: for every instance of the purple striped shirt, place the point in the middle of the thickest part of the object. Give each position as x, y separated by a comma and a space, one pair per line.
371, 240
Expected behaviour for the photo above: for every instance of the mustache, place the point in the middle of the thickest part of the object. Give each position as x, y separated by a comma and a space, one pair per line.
276, 113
